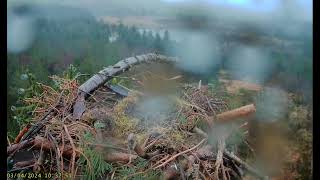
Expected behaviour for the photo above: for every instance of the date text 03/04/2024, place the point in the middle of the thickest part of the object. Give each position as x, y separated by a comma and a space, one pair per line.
31, 175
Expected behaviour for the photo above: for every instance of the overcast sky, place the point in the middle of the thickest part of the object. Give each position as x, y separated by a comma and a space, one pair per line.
292, 9
254, 5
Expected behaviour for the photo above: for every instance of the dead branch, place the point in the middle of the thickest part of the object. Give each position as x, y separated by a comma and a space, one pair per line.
67, 150
134, 145
23, 164
107, 73
41, 122
245, 165
58, 155
21, 134
15, 147
172, 172
73, 150
183, 152
200, 132
219, 159
241, 112
119, 157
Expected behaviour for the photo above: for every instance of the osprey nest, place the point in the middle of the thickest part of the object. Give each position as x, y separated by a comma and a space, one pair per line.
138, 119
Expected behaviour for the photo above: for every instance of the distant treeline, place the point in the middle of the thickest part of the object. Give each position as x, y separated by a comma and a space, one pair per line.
89, 45
83, 42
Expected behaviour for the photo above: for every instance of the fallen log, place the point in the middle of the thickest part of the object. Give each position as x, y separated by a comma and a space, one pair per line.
242, 112
107, 73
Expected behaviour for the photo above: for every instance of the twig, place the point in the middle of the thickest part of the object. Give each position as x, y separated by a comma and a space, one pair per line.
21, 133
183, 152
58, 155
107, 146
153, 142
200, 132
20, 169
89, 162
195, 171
15, 147
199, 84
162, 160
37, 127
182, 174
245, 165
219, 160
73, 150
23, 164
8, 140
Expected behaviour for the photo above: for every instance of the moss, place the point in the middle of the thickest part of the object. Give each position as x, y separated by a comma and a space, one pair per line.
177, 136
124, 124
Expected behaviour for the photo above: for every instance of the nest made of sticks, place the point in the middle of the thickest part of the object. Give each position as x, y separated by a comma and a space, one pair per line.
112, 140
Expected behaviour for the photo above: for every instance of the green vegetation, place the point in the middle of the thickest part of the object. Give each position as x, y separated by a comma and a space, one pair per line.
132, 173
79, 40
92, 161
81, 44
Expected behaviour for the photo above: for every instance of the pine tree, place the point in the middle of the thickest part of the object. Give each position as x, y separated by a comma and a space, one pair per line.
166, 37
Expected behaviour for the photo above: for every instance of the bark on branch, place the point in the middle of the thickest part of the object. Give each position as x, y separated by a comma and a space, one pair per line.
107, 73
66, 151
244, 111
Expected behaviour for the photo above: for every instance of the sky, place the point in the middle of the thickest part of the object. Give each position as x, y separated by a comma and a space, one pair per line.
254, 5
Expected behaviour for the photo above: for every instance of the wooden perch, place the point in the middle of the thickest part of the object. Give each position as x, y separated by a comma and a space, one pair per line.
106, 74
242, 112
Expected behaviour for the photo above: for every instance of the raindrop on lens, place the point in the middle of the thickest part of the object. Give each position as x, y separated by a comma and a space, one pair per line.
24, 77
21, 91
13, 108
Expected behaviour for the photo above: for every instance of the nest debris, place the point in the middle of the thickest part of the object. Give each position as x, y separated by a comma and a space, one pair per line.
176, 148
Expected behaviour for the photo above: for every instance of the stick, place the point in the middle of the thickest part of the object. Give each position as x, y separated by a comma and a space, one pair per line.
133, 144
58, 155
119, 156
205, 151
241, 112
23, 164
21, 133
245, 165
183, 152
200, 132
8, 140
14, 147
73, 150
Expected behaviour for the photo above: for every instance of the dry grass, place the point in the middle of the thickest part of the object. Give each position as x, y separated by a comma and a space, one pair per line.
169, 141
